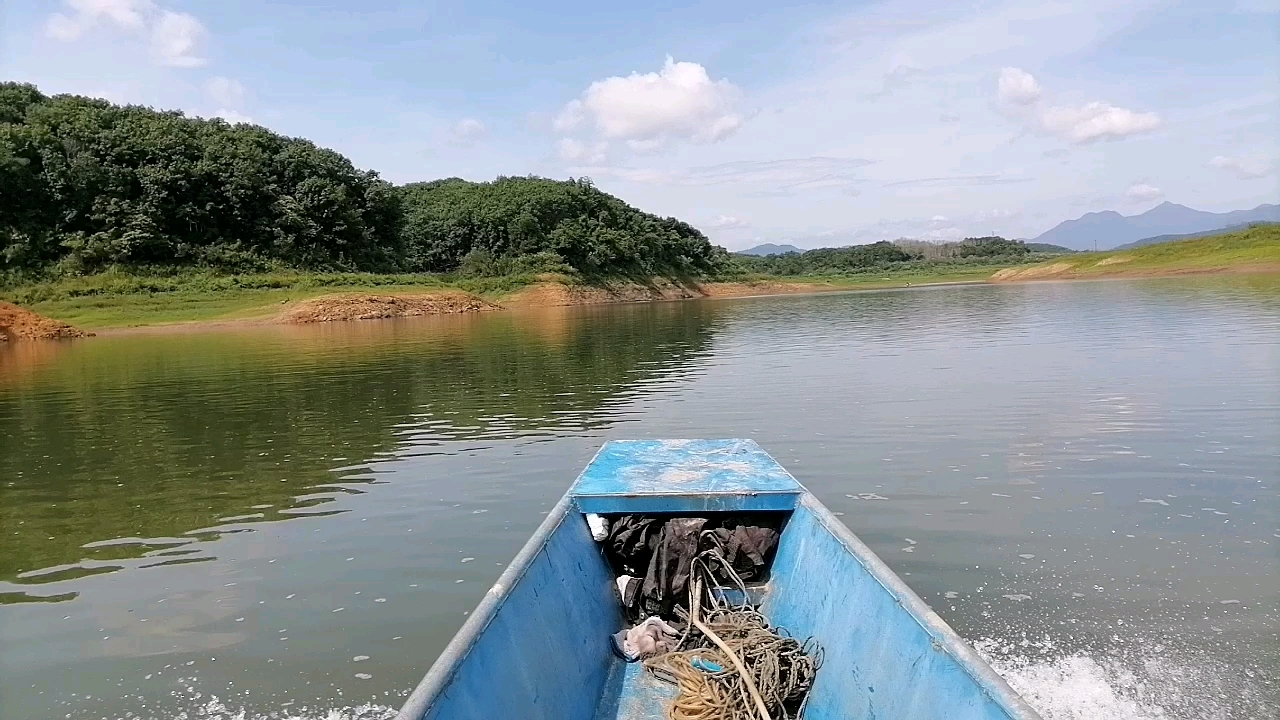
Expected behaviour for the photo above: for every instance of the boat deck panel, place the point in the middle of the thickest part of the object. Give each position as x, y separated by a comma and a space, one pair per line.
684, 476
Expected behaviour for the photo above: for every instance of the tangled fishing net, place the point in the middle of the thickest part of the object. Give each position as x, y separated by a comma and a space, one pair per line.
731, 664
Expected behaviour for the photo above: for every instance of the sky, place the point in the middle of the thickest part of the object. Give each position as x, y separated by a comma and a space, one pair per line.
813, 123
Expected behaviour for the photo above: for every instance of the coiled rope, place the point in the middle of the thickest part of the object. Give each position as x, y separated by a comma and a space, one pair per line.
764, 674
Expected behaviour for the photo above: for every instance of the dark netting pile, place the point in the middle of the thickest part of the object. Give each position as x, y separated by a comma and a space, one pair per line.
688, 578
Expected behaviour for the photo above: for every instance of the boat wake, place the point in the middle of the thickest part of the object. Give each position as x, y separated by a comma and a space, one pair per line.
1153, 686
213, 708
216, 710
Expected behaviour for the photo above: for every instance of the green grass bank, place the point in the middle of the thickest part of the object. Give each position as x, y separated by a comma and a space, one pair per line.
127, 299
1253, 250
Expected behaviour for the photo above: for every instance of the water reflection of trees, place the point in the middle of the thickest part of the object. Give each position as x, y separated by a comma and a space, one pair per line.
132, 448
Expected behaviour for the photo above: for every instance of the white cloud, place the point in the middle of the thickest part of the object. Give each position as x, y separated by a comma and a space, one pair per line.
647, 176
125, 13
579, 152
570, 118
763, 178
1142, 192
647, 111
727, 222
940, 142
959, 181
234, 117
176, 40
467, 132
995, 214
63, 27
1019, 94
899, 77
1017, 87
225, 91
1097, 121
646, 147
1257, 7
939, 235
85, 14
785, 173
937, 228
1244, 168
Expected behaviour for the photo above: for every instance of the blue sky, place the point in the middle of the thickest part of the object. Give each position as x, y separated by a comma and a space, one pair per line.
811, 123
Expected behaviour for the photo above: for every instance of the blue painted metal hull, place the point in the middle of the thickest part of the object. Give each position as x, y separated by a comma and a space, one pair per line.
537, 645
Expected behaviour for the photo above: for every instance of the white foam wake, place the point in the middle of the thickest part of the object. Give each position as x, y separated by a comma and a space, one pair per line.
1078, 686
216, 709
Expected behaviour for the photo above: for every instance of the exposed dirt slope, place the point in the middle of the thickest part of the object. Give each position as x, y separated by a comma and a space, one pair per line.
20, 324
363, 306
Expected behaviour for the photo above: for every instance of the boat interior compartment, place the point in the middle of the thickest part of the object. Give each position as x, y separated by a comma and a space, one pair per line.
538, 646
727, 523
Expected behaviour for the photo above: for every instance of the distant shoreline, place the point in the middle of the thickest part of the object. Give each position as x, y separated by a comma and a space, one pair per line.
187, 305
351, 306
120, 315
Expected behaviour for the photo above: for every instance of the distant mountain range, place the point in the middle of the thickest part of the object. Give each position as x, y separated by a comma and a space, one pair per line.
769, 249
1109, 229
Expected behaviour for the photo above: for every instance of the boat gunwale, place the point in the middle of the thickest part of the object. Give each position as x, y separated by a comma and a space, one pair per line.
944, 637
428, 690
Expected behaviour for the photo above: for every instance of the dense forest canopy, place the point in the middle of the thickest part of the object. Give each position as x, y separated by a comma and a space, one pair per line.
881, 255
86, 185
990, 246
446, 221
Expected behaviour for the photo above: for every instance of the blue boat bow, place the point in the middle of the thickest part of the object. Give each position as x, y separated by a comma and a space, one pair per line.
536, 647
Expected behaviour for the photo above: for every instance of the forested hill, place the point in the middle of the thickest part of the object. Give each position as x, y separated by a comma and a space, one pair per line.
86, 185
589, 230
883, 255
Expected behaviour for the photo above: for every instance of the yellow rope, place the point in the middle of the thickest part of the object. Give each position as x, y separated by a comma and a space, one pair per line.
764, 675
742, 670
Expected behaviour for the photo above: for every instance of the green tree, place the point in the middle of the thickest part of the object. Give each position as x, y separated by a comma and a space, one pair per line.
87, 185
589, 230
992, 246
828, 261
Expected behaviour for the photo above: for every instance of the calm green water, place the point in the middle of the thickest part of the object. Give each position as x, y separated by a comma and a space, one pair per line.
292, 522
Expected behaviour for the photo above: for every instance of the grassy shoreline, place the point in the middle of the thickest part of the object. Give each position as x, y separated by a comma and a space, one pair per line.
121, 300
1253, 250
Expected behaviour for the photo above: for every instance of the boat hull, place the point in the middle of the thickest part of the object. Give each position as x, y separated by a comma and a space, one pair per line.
537, 645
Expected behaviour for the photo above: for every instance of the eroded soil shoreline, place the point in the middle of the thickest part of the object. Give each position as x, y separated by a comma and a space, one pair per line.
345, 306
17, 323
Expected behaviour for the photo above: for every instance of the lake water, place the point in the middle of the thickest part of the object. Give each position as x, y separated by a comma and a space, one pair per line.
292, 522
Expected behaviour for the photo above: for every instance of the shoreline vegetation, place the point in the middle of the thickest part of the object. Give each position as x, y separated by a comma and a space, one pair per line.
117, 301
183, 302
118, 217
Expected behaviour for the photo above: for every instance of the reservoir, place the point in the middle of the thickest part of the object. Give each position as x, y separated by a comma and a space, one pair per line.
291, 522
